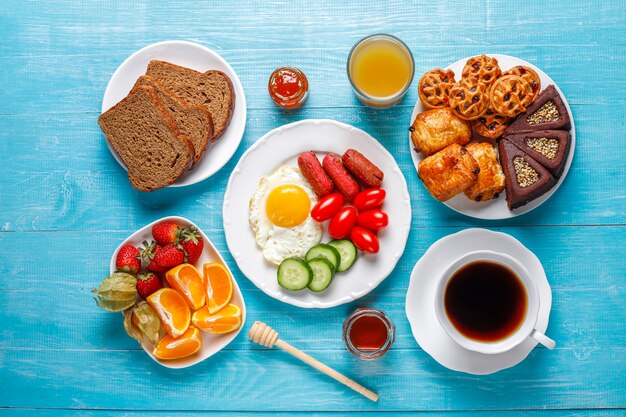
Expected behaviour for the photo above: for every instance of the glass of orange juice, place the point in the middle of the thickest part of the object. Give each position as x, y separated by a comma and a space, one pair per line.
380, 69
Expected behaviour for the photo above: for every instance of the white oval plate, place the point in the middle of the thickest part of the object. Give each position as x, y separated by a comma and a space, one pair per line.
497, 208
420, 300
282, 146
199, 58
211, 343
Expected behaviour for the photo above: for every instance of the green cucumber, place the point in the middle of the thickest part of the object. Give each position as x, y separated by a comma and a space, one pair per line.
347, 252
323, 273
294, 274
324, 251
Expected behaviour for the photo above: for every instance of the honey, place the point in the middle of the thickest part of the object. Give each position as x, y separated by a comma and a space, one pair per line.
368, 333
380, 68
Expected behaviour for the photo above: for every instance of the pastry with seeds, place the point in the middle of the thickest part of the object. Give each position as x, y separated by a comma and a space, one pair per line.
469, 98
434, 88
510, 95
548, 147
526, 179
483, 67
548, 112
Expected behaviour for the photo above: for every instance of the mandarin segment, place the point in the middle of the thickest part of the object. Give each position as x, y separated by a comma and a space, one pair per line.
219, 286
172, 310
187, 280
227, 320
187, 344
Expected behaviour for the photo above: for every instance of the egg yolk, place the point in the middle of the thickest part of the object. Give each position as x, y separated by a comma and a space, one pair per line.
287, 205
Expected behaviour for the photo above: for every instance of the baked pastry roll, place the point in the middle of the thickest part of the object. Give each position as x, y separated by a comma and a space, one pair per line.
448, 172
491, 125
469, 98
510, 95
435, 129
529, 75
490, 181
483, 67
434, 86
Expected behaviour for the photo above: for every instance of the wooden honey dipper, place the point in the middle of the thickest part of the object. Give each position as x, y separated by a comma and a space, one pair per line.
264, 335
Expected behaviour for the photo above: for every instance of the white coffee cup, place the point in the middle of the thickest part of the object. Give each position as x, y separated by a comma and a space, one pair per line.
527, 327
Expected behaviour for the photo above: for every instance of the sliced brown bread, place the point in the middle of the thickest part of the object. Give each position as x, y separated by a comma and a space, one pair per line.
193, 121
146, 137
212, 89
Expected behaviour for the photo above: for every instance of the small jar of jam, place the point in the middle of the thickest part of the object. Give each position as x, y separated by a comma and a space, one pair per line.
368, 333
288, 87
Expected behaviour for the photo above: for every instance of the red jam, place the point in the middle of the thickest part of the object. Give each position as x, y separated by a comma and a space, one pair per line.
288, 87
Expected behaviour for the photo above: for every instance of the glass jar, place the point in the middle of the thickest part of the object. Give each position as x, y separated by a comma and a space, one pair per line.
288, 87
368, 333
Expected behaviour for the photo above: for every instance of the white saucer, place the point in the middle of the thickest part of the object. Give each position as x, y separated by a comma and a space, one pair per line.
196, 57
420, 308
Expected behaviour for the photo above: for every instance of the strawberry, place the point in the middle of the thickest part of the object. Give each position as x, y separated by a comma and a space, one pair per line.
168, 257
147, 284
148, 255
166, 232
192, 243
128, 260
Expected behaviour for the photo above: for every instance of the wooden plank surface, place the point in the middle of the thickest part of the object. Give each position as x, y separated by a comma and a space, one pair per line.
65, 205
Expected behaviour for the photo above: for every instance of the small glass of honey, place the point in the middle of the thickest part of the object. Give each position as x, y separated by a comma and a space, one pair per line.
380, 69
368, 333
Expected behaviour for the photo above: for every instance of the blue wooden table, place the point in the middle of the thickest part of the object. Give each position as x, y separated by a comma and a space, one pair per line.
65, 205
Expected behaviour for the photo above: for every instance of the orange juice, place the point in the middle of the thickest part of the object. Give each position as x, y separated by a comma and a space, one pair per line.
380, 68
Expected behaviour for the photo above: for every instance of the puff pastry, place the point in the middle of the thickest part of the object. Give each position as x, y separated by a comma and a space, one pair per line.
448, 172
435, 129
490, 181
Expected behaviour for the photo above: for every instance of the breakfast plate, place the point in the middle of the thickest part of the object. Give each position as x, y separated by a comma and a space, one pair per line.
420, 300
281, 147
211, 343
497, 209
196, 57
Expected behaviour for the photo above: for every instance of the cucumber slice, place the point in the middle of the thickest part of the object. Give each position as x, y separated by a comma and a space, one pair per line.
347, 252
324, 251
323, 273
294, 274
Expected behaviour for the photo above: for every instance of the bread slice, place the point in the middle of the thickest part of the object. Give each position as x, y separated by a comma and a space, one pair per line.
212, 89
147, 139
194, 122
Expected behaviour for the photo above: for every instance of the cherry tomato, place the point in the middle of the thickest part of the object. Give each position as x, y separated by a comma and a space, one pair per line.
342, 223
364, 240
327, 207
373, 220
369, 199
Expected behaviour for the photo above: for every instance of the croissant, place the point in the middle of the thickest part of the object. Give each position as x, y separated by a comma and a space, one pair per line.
448, 172
436, 129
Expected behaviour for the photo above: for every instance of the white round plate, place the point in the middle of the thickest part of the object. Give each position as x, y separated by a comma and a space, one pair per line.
420, 300
211, 343
196, 57
497, 208
282, 146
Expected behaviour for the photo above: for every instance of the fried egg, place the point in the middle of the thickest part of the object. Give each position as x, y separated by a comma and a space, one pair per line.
280, 215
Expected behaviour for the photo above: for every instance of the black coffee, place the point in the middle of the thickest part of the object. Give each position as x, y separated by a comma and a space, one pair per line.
485, 301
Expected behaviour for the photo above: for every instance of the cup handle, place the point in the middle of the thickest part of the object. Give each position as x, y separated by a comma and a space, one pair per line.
543, 339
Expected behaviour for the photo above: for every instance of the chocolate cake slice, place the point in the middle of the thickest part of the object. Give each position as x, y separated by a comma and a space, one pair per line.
526, 179
547, 112
548, 147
